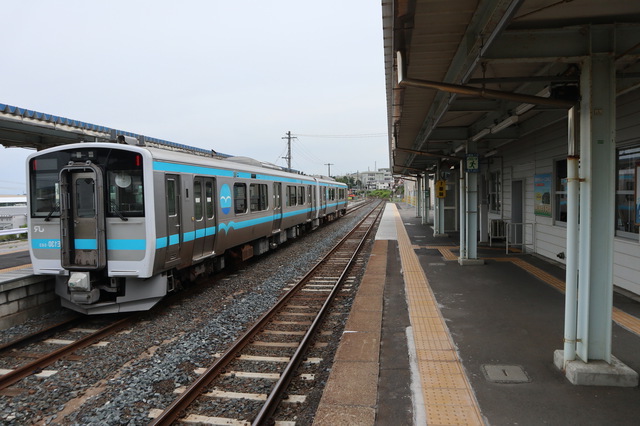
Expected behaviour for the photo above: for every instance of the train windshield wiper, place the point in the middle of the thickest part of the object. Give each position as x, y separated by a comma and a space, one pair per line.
55, 208
114, 209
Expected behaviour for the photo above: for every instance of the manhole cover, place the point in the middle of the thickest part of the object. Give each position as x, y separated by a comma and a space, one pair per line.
505, 373
427, 252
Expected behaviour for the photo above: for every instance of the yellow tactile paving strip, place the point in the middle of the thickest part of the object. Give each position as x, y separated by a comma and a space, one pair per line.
621, 318
445, 251
15, 268
446, 391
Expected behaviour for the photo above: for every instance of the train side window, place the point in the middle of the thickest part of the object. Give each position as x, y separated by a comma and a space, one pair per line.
197, 199
171, 198
208, 190
291, 195
301, 195
240, 198
258, 197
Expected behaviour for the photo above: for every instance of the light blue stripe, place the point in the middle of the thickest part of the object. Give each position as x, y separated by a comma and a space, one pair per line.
85, 244
161, 166
127, 244
161, 243
174, 239
186, 168
210, 231
37, 243
200, 233
188, 236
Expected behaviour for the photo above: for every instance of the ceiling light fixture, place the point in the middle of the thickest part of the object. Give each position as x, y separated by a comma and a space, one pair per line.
481, 134
504, 124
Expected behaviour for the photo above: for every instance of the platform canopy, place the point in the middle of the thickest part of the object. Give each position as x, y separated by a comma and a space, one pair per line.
492, 71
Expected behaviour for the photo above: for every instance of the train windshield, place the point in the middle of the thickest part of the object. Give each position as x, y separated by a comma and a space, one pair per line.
123, 178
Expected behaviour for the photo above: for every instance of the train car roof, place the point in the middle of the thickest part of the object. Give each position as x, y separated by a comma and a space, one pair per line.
243, 164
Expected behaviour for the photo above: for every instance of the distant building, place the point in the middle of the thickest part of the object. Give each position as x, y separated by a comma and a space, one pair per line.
371, 180
13, 217
13, 211
13, 200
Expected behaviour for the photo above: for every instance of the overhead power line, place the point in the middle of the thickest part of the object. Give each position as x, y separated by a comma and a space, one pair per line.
360, 135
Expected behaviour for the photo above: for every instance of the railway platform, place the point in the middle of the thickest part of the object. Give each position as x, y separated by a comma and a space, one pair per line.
431, 342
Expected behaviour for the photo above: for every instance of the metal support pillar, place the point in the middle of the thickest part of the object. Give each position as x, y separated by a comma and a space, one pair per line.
462, 208
469, 213
597, 177
484, 210
418, 196
438, 210
597, 198
571, 275
425, 199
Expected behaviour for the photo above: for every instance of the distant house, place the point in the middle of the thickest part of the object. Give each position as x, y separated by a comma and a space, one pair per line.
13, 211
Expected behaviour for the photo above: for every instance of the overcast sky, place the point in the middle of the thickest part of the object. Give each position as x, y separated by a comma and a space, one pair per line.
225, 75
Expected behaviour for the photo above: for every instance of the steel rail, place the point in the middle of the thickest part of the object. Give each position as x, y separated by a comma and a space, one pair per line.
21, 341
184, 400
273, 399
34, 367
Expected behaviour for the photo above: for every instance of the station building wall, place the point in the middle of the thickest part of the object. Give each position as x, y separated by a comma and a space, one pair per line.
542, 153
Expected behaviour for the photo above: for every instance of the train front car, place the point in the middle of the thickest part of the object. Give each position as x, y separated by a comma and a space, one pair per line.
90, 215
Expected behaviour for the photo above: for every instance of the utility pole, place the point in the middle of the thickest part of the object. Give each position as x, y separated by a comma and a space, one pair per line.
329, 166
288, 157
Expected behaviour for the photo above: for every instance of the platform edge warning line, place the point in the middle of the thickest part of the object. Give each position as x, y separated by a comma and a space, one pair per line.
436, 370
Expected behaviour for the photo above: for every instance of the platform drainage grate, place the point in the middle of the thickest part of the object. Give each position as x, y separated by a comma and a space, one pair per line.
500, 373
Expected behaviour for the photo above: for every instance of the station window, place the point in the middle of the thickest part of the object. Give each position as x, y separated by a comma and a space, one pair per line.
495, 192
627, 192
560, 191
258, 197
291, 196
240, 198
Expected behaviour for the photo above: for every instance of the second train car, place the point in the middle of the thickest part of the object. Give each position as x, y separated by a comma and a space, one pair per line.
120, 225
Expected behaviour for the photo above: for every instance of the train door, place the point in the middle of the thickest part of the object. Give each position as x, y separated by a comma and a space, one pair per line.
277, 206
309, 202
209, 215
198, 217
314, 202
174, 239
82, 218
323, 201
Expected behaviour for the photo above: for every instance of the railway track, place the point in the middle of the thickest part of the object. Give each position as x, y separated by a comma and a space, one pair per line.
248, 381
31, 355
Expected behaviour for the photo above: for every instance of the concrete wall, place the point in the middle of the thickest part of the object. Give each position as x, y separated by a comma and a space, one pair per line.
25, 297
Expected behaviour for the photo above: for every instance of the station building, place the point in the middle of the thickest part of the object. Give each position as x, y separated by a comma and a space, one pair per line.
520, 120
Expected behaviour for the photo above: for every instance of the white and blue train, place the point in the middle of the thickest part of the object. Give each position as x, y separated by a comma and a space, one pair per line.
120, 224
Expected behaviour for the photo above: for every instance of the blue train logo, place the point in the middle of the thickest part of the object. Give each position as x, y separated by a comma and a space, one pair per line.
225, 199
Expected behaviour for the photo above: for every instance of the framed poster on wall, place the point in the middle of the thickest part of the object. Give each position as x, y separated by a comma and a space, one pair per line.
542, 192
